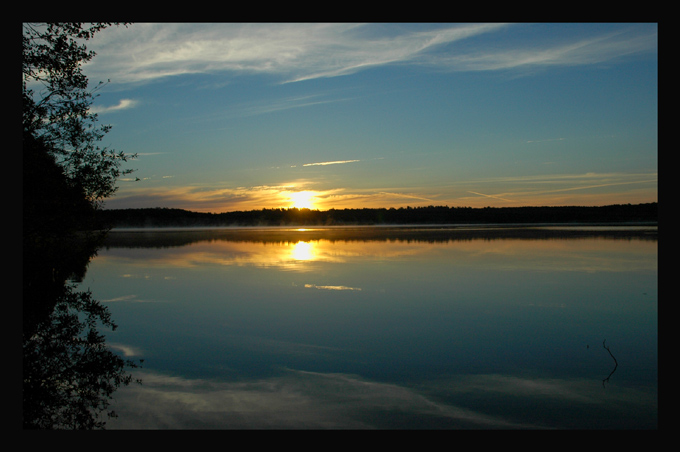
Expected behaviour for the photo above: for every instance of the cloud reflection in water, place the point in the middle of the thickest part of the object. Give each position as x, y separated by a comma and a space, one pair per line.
311, 400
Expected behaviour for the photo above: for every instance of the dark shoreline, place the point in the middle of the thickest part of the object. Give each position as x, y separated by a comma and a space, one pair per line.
410, 216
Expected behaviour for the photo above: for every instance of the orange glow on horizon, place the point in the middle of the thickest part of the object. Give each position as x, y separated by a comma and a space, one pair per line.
299, 195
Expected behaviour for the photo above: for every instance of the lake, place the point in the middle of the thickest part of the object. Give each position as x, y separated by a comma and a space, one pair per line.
384, 327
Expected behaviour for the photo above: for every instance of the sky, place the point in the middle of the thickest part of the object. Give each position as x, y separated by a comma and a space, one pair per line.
231, 117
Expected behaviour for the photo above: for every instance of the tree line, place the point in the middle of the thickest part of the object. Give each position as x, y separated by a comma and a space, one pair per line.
170, 217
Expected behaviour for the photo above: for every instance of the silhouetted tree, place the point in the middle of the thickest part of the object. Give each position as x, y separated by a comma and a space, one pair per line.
57, 101
68, 372
53, 203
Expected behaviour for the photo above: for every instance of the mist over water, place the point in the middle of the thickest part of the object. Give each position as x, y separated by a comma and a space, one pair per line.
389, 328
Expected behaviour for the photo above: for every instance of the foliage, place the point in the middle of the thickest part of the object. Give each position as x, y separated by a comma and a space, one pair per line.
52, 205
56, 106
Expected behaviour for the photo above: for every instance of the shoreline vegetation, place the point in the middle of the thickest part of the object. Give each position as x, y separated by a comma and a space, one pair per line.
161, 217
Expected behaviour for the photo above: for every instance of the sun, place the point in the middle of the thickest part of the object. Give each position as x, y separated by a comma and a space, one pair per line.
302, 199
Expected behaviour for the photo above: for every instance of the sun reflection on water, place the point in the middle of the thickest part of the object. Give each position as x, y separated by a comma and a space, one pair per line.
303, 251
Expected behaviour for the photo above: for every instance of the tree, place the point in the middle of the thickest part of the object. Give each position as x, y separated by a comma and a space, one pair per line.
68, 373
56, 107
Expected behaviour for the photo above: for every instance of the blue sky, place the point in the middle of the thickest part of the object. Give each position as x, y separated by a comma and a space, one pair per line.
231, 117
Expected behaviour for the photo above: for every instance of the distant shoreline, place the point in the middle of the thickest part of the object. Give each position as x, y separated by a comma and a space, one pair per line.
619, 214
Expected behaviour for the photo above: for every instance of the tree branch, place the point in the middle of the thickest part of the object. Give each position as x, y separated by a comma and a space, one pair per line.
616, 364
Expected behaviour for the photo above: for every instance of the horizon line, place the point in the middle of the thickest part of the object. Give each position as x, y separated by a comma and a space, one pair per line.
381, 208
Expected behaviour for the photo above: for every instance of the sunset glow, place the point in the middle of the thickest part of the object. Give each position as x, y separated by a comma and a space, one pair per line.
352, 116
302, 200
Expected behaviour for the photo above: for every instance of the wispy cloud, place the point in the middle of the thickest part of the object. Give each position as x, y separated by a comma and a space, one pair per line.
124, 104
491, 196
283, 104
564, 51
314, 286
556, 189
337, 162
123, 298
221, 199
297, 399
205, 198
301, 400
528, 190
126, 350
296, 52
144, 52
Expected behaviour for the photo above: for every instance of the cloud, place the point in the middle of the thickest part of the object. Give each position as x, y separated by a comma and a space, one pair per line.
546, 189
337, 162
123, 298
490, 196
224, 199
272, 106
582, 181
314, 286
204, 198
297, 399
551, 52
126, 350
124, 104
296, 52
554, 189
293, 400
144, 52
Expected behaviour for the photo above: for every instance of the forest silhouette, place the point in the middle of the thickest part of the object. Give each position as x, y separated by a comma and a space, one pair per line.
168, 217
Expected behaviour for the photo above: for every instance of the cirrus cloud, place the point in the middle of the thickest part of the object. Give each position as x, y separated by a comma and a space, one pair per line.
296, 52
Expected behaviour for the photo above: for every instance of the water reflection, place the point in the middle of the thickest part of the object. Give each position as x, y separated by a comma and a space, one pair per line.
311, 400
303, 251
385, 328
69, 373
591, 253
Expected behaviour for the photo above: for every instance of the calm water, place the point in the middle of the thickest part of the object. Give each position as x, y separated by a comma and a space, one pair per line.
388, 328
